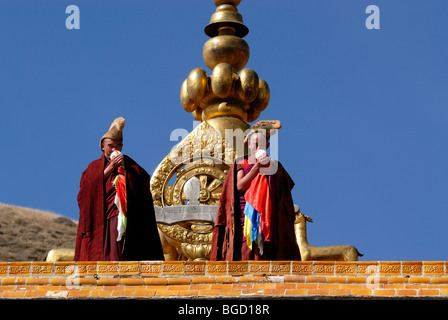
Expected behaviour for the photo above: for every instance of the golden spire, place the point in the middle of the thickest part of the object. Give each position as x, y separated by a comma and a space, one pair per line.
225, 93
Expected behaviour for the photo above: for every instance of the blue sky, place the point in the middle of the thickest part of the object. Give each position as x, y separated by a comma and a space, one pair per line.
364, 112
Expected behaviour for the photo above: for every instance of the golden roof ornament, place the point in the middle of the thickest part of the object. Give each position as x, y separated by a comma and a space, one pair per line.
187, 184
224, 92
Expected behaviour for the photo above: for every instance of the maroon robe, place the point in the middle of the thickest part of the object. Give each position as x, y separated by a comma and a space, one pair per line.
228, 242
141, 241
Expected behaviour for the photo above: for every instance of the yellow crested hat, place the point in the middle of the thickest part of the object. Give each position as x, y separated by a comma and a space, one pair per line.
115, 131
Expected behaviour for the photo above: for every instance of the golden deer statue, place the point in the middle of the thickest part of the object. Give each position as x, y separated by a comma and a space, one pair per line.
326, 253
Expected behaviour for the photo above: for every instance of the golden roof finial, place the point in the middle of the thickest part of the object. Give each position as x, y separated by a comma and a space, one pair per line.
225, 93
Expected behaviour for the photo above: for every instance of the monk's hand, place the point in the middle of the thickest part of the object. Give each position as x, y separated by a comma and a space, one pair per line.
263, 161
117, 161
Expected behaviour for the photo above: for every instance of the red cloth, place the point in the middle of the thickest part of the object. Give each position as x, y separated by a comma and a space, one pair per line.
227, 241
259, 198
121, 190
142, 240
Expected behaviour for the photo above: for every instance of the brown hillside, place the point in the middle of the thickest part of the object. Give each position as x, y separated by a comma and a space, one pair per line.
28, 235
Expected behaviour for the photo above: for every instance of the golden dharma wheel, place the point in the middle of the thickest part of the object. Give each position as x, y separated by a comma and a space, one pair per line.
211, 177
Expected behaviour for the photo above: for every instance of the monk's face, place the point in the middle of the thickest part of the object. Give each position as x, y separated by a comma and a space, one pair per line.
257, 141
110, 145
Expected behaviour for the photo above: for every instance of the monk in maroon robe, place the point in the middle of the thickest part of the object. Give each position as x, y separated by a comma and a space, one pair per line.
97, 237
228, 241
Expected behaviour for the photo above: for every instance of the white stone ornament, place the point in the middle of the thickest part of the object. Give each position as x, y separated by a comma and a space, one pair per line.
192, 189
